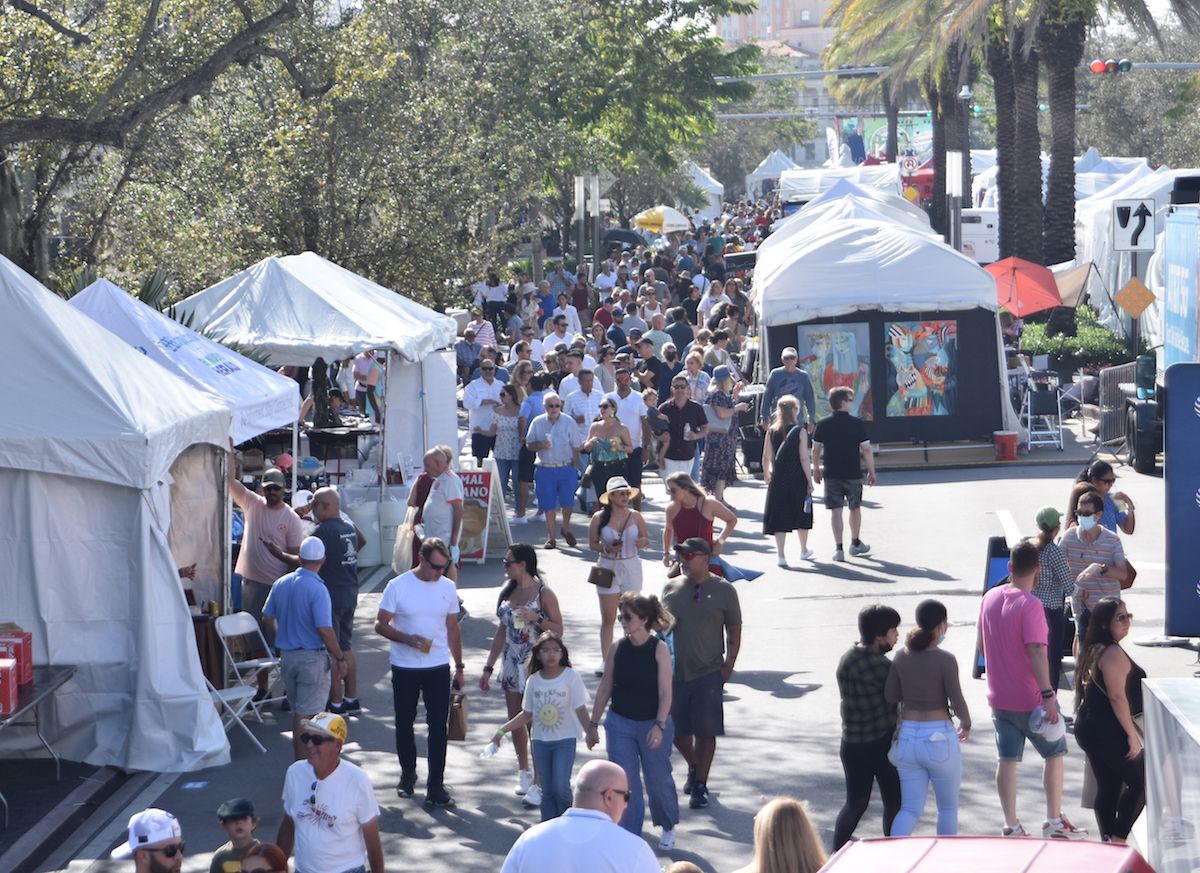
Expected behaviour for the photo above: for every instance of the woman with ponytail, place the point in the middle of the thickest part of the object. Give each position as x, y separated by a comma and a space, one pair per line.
924, 682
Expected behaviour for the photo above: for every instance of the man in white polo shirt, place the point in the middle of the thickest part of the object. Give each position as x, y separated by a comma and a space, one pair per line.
586, 838
418, 613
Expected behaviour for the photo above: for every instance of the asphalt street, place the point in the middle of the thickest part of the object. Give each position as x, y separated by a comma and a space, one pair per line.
928, 532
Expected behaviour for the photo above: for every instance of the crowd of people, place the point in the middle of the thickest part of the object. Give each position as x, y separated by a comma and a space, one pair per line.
579, 387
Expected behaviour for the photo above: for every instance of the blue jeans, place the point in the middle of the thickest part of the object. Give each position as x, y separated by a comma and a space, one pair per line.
928, 751
554, 760
626, 743
508, 476
696, 460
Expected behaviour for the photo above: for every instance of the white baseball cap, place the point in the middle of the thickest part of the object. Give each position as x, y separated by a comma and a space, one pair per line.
303, 497
312, 549
1052, 732
146, 828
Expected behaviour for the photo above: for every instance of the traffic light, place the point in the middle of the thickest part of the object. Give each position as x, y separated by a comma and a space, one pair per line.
1111, 65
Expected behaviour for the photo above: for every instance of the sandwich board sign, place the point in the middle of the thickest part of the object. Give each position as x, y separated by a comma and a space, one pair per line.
483, 513
1133, 225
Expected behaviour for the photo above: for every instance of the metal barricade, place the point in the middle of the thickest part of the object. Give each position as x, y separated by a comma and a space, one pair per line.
1112, 402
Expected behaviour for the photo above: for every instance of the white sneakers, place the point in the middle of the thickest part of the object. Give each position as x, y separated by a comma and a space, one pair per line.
533, 797
860, 549
781, 561
807, 555
524, 780
1061, 829
839, 556
667, 841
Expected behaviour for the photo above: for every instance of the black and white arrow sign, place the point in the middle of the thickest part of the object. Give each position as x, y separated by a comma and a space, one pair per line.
1133, 225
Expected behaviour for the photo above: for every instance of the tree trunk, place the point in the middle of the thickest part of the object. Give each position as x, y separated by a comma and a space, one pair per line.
953, 120
10, 210
891, 109
1000, 68
937, 208
1063, 45
1027, 215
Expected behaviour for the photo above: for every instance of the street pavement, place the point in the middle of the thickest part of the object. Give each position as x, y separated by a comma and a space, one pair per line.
928, 531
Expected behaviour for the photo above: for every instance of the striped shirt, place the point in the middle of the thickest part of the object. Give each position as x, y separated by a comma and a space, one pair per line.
1105, 549
1055, 581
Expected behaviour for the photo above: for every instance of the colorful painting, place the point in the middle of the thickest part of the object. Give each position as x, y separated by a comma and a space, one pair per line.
838, 355
922, 368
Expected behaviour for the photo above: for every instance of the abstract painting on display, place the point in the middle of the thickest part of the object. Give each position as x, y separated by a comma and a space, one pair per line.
838, 355
922, 366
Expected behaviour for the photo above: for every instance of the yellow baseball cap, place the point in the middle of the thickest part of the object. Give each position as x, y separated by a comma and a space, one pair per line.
327, 723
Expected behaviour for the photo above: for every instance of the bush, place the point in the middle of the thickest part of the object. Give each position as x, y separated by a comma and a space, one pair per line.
1093, 345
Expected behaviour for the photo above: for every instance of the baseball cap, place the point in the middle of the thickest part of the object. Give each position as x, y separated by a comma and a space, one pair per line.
238, 807
146, 828
789, 352
1048, 518
694, 544
312, 549
303, 497
326, 723
274, 476
721, 373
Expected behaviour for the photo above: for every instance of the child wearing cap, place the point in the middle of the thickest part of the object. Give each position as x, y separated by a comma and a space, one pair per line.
238, 820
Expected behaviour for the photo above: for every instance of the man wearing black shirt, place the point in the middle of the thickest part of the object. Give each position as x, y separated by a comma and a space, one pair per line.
680, 331
688, 425
841, 441
691, 304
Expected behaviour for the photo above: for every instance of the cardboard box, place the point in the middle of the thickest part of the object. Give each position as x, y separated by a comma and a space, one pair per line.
8, 686
18, 644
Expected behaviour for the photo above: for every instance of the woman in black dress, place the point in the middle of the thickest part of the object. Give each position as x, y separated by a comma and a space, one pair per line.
1108, 698
788, 474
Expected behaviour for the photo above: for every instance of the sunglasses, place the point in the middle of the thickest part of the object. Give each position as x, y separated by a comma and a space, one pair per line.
316, 740
1079, 514
625, 793
554, 406
508, 563
1109, 481
170, 851
441, 568
272, 488
312, 798
488, 369
696, 592
625, 616
1124, 617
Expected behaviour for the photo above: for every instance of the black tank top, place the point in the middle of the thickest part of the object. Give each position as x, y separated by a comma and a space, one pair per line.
635, 680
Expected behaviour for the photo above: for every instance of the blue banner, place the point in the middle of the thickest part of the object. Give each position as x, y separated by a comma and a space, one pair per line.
1181, 252
1181, 474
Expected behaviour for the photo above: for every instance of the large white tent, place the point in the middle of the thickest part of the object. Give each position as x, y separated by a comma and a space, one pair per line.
90, 451
1093, 174
805, 185
772, 166
259, 398
301, 307
713, 190
844, 188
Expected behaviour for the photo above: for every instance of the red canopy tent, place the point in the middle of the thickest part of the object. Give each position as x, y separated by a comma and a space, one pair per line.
984, 855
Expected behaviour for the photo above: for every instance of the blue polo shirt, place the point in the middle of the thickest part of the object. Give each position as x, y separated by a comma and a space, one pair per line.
299, 603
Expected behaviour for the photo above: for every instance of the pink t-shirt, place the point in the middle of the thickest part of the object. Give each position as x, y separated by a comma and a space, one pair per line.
1009, 620
281, 526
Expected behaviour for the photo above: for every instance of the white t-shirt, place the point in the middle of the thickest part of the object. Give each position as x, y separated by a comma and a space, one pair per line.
438, 516
420, 607
329, 828
553, 703
580, 841
606, 282
631, 410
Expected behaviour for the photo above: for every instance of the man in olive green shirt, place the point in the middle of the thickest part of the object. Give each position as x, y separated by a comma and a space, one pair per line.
707, 635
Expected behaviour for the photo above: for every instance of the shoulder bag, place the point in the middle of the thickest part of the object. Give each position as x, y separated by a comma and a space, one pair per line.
602, 577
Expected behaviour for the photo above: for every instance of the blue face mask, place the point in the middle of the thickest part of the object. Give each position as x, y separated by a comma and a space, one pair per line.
1087, 522
941, 639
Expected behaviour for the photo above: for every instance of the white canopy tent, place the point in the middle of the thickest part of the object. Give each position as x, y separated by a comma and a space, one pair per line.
259, 398
301, 307
805, 185
844, 188
856, 264
90, 455
772, 166
713, 190
1093, 174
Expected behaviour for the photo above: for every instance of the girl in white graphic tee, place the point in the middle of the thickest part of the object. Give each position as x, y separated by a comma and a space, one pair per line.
552, 691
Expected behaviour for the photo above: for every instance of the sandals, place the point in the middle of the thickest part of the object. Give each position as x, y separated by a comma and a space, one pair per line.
550, 544
569, 537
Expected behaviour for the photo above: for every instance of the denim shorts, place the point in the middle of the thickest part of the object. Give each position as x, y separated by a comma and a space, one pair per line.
1012, 730
306, 679
698, 706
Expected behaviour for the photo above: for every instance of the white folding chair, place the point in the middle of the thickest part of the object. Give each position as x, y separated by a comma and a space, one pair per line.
243, 670
231, 703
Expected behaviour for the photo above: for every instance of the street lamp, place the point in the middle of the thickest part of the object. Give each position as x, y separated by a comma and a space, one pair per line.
965, 96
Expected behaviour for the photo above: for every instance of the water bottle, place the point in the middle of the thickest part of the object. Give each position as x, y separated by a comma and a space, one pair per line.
808, 505
489, 751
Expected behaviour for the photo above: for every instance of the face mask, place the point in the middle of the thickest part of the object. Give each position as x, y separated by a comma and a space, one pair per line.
941, 639
1087, 522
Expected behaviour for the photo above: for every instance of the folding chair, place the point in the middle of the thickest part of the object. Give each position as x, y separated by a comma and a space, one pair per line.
239, 633
1041, 414
231, 703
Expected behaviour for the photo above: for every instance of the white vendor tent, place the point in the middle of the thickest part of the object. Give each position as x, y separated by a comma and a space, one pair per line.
804, 185
1093, 174
844, 188
91, 451
713, 190
301, 307
259, 398
772, 166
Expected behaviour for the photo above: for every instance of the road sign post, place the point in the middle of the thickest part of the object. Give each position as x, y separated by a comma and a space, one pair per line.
1133, 231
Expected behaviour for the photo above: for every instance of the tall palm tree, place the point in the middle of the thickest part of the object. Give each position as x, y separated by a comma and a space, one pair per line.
999, 68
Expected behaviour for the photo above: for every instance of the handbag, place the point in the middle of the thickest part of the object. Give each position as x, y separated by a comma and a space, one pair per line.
406, 543
458, 716
716, 424
603, 577
1127, 582
586, 479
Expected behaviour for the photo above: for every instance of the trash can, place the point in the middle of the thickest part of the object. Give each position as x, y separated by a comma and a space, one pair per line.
1006, 444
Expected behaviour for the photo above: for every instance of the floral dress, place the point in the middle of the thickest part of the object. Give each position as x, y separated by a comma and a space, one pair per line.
720, 450
519, 639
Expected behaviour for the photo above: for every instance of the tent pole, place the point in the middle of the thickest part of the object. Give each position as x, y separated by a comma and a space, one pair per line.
383, 422
295, 452
227, 538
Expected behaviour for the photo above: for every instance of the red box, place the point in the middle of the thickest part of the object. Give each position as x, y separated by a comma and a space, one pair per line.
19, 645
8, 686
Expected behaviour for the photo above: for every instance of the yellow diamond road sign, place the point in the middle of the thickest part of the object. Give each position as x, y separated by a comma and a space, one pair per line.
1134, 297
